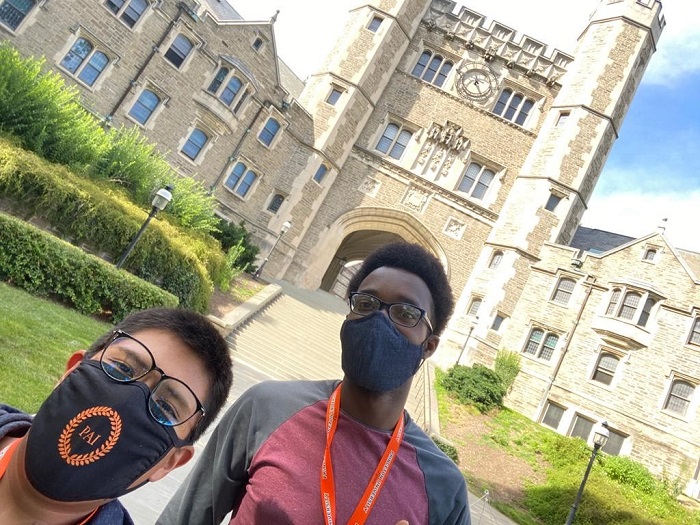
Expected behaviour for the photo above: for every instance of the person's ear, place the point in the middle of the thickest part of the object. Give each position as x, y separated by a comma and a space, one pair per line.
430, 345
73, 362
174, 459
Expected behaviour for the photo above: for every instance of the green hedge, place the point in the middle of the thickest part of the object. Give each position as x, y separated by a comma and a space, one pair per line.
183, 263
478, 385
44, 265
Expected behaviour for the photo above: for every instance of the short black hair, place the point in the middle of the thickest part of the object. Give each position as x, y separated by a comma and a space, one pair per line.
200, 336
417, 260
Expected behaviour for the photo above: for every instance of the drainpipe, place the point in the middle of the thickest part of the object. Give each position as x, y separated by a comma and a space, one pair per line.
237, 149
591, 281
154, 51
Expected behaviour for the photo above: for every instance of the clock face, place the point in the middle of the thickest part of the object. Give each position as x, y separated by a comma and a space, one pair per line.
476, 82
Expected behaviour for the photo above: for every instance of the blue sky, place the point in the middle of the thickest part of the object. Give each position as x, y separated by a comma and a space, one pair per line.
653, 171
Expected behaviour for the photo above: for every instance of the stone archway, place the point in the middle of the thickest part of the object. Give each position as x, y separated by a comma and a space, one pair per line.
355, 234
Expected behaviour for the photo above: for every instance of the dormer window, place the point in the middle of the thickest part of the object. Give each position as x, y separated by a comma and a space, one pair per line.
649, 254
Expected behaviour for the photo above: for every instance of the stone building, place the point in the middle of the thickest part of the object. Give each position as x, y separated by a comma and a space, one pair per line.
430, 123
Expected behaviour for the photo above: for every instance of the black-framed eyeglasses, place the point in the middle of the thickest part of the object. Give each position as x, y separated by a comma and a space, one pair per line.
404, 314
126, 359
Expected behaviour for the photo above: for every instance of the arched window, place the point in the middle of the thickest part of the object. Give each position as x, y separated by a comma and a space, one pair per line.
230, 91
474, 307
605, 368
679, 397
268, 133
476, 180
565, 288
144, 107
275, 203
650, 254
541, 345
195, 143
432, 68
241, 179
513, 106
218, 80
631, 306
179, 50
85, 61
12, 12
496, 259
394, 140
129, 12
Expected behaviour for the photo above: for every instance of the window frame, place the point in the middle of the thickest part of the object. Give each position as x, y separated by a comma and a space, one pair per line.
606, 372
506, 103
622, 301
694, 332
538, 349
323, 170
474, 306
374, 23
436, 66
154, 112
558, 289
334, 95
273, 200
120, 12
496, 260
77, 72
677, 380
477, 180
185, 59
24, 16
274, 136
202, 149
546, 411
392, 142
223, 85
242, 178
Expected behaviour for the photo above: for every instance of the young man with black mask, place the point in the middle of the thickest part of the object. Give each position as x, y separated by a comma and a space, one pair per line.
340, 451
126, 412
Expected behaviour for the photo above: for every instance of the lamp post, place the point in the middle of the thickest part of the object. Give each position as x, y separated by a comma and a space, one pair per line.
160, 201
600, 438
471, 329
285, 229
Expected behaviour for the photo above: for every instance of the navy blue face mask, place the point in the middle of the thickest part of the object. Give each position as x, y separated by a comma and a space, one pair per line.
375, 355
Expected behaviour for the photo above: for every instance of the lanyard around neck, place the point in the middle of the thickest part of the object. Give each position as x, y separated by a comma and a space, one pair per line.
369, 498
5, 456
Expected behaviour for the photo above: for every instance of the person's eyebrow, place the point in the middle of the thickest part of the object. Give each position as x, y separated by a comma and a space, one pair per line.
401, 298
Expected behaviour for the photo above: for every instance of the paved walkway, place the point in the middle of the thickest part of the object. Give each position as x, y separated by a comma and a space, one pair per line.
293, 336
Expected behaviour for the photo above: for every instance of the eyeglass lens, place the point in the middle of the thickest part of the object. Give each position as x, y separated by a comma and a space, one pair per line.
403, 314
171, 401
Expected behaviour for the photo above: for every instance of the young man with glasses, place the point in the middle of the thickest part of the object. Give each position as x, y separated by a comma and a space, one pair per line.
126, 412
340, 451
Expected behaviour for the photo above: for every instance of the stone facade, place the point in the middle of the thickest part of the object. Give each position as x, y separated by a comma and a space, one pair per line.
429, 123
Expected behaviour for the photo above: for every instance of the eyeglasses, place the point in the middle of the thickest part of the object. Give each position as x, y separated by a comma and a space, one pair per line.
403, 314
126, 359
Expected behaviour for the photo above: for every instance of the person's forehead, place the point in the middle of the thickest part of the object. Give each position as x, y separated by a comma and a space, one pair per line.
397, 285
176, 359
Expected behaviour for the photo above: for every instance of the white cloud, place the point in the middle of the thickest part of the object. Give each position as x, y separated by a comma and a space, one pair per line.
637, 214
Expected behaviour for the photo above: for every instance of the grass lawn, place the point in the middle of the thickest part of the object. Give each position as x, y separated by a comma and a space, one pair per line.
36, 338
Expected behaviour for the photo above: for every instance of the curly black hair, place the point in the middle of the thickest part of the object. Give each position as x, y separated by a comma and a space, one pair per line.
417, 260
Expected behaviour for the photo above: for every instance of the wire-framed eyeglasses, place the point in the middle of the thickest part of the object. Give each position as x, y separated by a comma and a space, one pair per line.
126, 359
403, 314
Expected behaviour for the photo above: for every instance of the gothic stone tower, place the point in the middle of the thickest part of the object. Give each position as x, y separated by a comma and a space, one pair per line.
444, 129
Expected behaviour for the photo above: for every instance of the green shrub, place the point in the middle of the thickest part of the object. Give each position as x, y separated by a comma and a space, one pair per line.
477, 385
182, 263
230, 234
448, 448
44, 114
46, 266
630, 473
507, 366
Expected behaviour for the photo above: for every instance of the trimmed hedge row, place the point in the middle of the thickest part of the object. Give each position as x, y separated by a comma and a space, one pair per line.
183, 263
47, 266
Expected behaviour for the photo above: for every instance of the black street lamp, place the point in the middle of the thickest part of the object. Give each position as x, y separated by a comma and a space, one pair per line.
285, 229
471, 329
160, 201
600, 438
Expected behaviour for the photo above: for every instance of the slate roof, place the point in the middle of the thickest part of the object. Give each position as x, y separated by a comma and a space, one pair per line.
222, 10
597, 241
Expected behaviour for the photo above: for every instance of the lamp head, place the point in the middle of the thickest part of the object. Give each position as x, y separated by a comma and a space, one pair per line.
601, 435
285, 227
162, 198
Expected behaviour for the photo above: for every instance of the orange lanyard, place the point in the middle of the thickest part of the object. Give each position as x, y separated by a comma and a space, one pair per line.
375, 484
6, 455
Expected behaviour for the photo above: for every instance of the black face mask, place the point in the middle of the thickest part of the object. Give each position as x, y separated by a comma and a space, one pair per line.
375, 355
93, 437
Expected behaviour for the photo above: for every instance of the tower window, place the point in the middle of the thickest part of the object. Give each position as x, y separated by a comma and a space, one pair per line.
374, 24
432, 68
513, 106
552, 202
394, 140
476, 180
